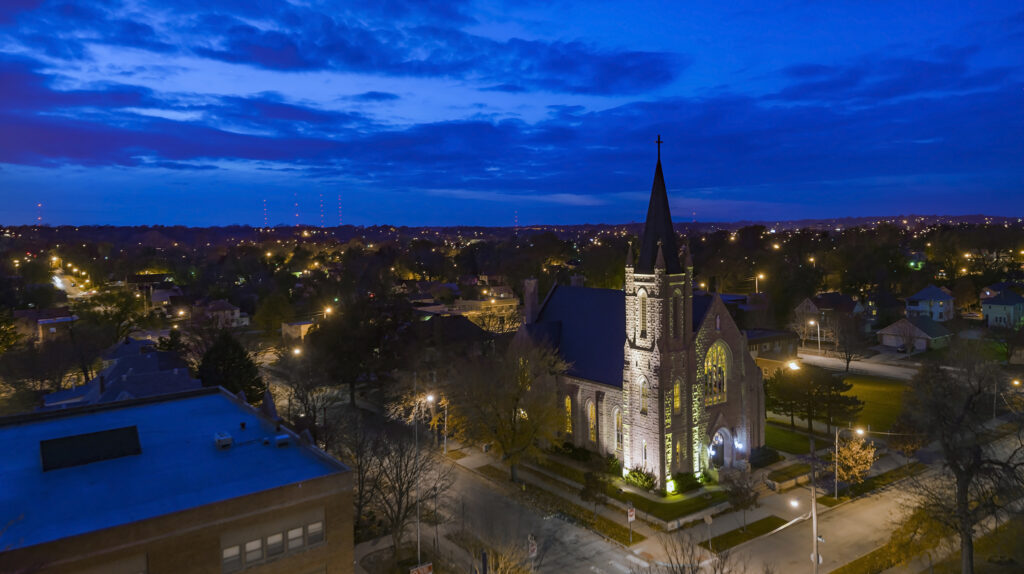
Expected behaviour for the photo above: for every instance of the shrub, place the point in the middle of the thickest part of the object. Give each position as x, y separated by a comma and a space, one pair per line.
613, 466
641, 478
574, 452
763, 456
686, 482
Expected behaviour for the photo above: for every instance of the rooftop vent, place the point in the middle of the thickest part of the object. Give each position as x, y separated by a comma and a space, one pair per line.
281, 440
223, 440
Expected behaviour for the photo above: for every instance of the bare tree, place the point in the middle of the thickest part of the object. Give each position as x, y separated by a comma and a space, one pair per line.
849, 338
510, 399
855, 458
980, 472
357, 449
409, 475
595, 489
741, 487
683, 555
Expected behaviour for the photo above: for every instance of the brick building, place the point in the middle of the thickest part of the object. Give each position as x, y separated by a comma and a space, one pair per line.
195, 482
659, 376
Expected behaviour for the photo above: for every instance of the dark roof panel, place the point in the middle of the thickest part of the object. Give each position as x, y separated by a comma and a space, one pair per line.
91, 447
588, 327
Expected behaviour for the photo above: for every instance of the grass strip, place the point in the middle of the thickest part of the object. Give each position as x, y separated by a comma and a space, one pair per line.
790, 471
733, 537
456, 454
886, 478
548, 501
787, 440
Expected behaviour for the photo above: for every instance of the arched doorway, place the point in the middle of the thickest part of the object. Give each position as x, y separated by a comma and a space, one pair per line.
720, 451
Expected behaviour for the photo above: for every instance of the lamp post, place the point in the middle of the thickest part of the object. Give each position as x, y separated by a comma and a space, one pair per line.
416, 435
835, 455
756, 277
816, 323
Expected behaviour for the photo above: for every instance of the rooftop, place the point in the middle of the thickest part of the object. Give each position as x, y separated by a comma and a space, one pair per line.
179, 466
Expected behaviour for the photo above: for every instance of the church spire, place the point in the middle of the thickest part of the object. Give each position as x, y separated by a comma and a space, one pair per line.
658, 228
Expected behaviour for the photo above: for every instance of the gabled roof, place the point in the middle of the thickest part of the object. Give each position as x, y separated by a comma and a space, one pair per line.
931, 293
834, 301
588, 328
701, 303
927, 326
1005, 298
658, 229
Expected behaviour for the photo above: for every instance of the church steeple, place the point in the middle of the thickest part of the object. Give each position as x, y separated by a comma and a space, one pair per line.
658, 228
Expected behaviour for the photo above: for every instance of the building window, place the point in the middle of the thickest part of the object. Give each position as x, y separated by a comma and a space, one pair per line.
645, 453
315, 533
295, 538
676, 396
275, 544
643, 397
231, 559
618, 429
568, 414
592, 421
643, 314
253, 551
716, 373
718, 322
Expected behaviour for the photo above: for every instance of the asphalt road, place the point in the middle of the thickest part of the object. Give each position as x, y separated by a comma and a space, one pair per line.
562, 547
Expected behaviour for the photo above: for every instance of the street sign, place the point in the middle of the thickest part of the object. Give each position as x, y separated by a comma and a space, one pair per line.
812, 558
631, 513
427, 568
708, 519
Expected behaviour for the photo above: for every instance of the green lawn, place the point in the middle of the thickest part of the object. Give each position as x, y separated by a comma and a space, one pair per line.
786, 440
883, 400
886, 478
790, 471
997, 552
733, 537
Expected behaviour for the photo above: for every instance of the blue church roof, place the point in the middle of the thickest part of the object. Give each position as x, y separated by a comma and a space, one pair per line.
588, 327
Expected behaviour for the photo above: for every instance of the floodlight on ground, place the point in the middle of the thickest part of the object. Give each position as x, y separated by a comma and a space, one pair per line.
296, 351
793, 366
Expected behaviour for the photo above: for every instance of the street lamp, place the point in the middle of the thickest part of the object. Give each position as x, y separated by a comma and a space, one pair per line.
835, 455
813, 322
815, 557
297, 351
756, 277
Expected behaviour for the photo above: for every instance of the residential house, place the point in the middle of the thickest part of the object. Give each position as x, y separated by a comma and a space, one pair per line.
223, 314
41, 325
773, 350
933, 302
816, 318
1003, 310
918, 333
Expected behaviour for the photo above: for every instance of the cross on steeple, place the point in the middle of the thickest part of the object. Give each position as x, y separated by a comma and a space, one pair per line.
659, 142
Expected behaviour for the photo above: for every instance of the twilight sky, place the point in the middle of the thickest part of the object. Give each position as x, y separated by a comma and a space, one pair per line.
450, 112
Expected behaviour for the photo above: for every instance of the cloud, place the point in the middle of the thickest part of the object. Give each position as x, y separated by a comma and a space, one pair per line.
374, 96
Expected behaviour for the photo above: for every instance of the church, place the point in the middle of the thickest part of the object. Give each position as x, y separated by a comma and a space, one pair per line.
659, 374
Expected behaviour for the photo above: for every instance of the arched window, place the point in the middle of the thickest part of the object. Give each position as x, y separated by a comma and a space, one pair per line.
568, 414
677, 318
676, 397
718, 322
643, 314
592, 421
618, 429
644, 391
716, 373
645, 453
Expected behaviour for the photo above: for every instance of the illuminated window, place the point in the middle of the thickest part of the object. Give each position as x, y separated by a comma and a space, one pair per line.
253, 550
592, 421
314, 533
676, 400
618, 429
716, 373
643, 314
231, 559
643, 397
295, 538
568, 414
275, 544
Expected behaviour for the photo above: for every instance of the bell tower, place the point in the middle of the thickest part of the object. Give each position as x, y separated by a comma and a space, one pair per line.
656, 388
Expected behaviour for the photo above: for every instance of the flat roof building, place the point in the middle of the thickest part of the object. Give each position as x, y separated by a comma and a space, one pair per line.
197, 481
